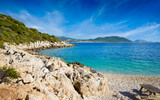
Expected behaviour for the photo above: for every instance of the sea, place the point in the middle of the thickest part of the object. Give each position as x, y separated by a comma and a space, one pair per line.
116, 58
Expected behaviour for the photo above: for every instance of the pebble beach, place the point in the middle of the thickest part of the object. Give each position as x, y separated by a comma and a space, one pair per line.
125, 83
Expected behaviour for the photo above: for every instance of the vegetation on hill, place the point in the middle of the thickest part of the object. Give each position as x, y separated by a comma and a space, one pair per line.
110, 39
67, 39
13, 31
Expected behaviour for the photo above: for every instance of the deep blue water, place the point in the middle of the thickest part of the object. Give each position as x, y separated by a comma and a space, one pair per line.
120, 58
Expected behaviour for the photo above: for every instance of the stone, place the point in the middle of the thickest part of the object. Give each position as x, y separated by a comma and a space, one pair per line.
27, 69
53, 66
51, 96
2, 74
50, 78
85, 82
20, 83
10, 61
45, 70
28, 78
32, 97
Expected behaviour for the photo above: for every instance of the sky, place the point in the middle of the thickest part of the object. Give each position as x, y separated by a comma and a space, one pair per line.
84, 19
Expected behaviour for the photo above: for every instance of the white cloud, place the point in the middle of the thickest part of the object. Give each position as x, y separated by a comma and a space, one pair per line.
87, 29
101, 10
140, 30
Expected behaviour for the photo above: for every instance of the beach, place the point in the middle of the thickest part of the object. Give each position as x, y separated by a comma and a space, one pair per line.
121, 86
125, 83
128, 82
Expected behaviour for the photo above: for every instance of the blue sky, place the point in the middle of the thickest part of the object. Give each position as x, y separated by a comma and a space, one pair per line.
83, 19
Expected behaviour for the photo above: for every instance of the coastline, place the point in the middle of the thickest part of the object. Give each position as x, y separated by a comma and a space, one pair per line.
70, 74
43, 77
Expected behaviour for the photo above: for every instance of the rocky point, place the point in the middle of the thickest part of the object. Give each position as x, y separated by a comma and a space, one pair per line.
47, 78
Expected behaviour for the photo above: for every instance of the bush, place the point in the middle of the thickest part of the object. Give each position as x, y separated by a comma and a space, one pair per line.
10, 72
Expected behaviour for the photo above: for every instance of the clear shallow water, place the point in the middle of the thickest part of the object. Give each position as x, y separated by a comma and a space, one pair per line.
120, 58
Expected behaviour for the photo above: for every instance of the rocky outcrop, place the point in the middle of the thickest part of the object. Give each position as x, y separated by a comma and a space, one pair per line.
86, 81
40, 45
49, 78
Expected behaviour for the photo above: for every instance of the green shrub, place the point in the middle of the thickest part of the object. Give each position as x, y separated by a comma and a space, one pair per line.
10, 72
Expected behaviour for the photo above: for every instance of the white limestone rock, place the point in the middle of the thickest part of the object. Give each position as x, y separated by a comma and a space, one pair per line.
28, 78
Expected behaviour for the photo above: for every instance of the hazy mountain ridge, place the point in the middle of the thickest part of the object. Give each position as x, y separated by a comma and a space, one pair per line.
142, 41
109, 39
67, 39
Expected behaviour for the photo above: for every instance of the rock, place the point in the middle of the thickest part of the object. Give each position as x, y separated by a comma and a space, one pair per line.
28, 78
50, 78
85, 82
9, 94
10, 61
91, 86
32, 97
93, 71
2, 74
51, 96
51, 67
55, 65
5, 79
76, 63
27, 69
45, 70
20, 83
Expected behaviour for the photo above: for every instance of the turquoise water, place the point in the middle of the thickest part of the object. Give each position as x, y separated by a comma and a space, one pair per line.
120, 58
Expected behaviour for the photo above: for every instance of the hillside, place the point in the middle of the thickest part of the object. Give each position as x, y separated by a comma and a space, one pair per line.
110, 39
99, 39
13, 31
67, 39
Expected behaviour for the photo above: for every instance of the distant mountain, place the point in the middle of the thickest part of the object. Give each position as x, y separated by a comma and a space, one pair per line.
110, 39
99, 39
67, 39
141, 41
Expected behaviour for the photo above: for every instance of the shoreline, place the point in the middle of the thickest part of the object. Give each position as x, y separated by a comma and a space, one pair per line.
128, 74
46, 77
120, 84
125, 83
92, 84
35, 52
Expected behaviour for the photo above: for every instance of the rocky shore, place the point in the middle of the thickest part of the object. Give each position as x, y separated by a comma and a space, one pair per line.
40, 45
51, 78
48, 78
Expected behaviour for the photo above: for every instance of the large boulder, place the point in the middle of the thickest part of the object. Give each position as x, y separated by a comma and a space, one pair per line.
86, 82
